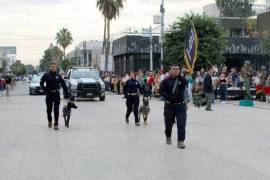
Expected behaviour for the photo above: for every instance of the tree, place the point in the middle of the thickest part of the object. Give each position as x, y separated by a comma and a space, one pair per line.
64, 38
18, 68
46, 60
4, 64
266, 43
101, 7
66, 63
211, 41
29, 68
110, 9
52, 54
56, 54
236, 8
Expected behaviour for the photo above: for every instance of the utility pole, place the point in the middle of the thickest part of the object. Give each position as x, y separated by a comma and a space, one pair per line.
220, 12
162, 11
151, 49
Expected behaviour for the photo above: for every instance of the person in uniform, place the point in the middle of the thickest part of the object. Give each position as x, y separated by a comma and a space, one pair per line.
173, 89
132, 91
53, 81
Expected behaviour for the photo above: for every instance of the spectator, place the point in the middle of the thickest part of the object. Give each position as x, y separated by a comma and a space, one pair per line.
208, 88
8, 81
223, 87
2, 86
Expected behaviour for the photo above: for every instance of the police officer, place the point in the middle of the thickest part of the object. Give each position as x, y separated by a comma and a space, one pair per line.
53, 81
132, 91
173, 90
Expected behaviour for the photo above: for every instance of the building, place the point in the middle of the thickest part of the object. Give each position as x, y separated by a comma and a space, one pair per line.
87, 53
244, 44
9, 52
263, 22
132, 53
211, 10
267, 5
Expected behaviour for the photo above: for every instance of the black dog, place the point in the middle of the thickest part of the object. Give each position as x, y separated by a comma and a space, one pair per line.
144, 110
67, 111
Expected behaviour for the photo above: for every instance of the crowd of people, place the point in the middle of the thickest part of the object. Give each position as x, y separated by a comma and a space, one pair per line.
232, 79
7, 82
115, 83
222, 79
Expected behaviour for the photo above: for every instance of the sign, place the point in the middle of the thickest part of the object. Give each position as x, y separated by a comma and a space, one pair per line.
157, 19
8, 50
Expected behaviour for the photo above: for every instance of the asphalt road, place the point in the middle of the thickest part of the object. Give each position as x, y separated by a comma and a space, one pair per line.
231, 143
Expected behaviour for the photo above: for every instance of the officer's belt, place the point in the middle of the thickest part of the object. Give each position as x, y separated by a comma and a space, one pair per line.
170, 103
132, 94
54, 91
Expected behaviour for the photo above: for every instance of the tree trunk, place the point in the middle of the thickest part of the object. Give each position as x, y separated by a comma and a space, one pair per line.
104, 37
64, 55
108, 46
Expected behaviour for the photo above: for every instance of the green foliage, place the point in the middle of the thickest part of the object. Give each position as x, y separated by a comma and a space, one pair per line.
46, 60
64, 38
266, 43
236, 8
110, 9
66, 63
211, 41
18, 68
51, 54
29, 68
4, 66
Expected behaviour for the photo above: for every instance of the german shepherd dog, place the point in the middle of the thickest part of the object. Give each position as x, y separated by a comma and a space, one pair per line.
67, 111
144, 110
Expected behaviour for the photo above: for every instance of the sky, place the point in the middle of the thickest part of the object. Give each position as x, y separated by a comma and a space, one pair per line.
31, 25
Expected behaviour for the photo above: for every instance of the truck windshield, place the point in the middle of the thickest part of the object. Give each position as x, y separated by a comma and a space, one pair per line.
85, 73
36, 80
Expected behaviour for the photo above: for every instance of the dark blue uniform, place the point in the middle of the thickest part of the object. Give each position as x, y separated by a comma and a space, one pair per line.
132, 91
175, 106
53, 81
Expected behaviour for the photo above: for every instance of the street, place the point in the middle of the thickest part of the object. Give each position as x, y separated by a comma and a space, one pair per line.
229, 143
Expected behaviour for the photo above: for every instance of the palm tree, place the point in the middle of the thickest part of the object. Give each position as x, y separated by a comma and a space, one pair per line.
110, 9
64, 38
101, 5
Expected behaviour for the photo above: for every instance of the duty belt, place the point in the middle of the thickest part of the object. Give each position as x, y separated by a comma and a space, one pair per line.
53, 91
170, 103
132, 94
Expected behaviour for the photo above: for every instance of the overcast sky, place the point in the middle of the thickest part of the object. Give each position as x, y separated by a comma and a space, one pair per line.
31, 25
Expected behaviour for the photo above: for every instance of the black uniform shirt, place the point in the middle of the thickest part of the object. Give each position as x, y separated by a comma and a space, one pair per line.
166, 88
53, 81
132, 86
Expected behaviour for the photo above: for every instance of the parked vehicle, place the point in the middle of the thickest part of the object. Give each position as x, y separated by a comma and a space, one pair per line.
34, 86
85, 82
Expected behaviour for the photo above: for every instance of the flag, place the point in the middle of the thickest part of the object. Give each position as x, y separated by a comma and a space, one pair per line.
191, 47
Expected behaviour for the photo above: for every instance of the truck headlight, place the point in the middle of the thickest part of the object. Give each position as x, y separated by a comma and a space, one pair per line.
102, 85
73, 86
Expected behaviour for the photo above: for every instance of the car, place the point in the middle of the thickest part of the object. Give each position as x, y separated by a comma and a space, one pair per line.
34, 86
84, 82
